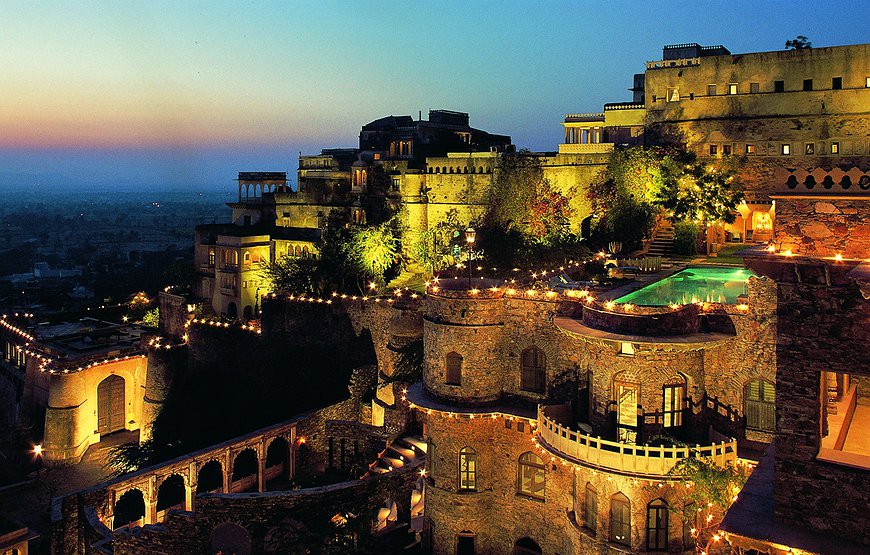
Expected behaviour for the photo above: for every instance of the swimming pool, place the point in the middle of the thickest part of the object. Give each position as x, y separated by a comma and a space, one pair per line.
716, 284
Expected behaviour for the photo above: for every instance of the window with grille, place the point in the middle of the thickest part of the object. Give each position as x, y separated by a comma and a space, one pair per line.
533, 369
674, 403
760, 397
590, 506
467, 469
531, 475
454, 369
657, 525
620, 520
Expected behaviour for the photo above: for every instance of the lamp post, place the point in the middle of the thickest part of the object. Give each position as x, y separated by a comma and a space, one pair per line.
37, 452
469, 240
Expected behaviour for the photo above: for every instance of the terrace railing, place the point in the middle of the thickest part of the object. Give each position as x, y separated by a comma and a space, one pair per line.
643, 460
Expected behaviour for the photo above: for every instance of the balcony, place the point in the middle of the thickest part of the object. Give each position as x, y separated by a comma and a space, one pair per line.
585, 148
229, 290
639, 460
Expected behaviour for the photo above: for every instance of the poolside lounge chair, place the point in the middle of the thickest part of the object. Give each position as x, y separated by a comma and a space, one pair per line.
563, 282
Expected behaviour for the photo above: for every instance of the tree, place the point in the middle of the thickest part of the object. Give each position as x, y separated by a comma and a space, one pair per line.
704, 194
799, 43
433, 248
711, 489
549, 215
374, 249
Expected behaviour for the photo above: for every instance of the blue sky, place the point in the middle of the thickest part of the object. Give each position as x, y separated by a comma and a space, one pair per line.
144, 95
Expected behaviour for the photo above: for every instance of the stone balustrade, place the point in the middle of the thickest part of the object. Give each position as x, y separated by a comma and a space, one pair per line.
639, 460
585, 148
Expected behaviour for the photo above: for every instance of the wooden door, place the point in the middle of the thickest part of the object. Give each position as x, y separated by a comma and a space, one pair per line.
110, 405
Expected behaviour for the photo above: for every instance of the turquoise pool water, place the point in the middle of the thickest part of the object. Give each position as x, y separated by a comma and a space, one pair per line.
716, 284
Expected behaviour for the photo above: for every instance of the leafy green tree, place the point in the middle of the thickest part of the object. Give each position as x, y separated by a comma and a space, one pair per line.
152, 318
550, 214
433, 248
703, 193
332, 270
712, 489
517, 180
374, 249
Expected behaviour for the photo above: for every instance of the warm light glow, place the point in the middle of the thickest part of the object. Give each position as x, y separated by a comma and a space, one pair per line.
37, 449
838, 257
470, 235
609, 305
788, 252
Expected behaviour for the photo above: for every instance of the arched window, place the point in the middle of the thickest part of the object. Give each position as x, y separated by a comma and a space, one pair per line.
465, 543
247, 257
590, 508
526, 546
657, 525
759, 398
533, 369
453, 370
620, 519
467, 469
531, 475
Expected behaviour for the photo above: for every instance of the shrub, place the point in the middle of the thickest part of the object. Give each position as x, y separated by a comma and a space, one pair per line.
685, 238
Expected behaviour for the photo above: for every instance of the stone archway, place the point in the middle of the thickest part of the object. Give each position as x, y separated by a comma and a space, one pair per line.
232, 310
170, 495
110, 405
129, 509
210, 478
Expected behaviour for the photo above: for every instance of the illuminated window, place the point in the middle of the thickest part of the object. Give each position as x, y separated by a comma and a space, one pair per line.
533, 370
786, 149
590, 508
626, 348
867, 82
531, 475
837, 83
835, 148
673, 95
211, 257
620, 519
750, 149
808, 84
714, 150
454, 369
779, 86
467, 469
674, 399
754, 88
810, 148
760, 400
726, 150
732, 88
657, 525
711, 89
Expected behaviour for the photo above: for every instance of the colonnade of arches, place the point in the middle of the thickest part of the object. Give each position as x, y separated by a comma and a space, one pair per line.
254, 468
460, 169
257, 188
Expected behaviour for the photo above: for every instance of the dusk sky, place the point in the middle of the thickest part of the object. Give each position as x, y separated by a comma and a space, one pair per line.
173, 95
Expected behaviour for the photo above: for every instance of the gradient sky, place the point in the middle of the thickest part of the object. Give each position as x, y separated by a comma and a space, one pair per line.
141, 95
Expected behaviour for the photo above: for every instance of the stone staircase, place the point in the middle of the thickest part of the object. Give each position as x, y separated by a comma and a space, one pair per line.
399, 452
662, 243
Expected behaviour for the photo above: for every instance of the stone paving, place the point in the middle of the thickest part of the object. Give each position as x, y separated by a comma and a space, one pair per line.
30, 503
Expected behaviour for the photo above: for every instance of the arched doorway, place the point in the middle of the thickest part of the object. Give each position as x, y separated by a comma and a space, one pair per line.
129, 509
527, 546
110, 405
248, 312
586, 227
232, 310
210, 478
230, 538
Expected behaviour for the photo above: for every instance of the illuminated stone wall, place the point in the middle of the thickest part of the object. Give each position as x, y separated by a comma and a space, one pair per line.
498, 515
